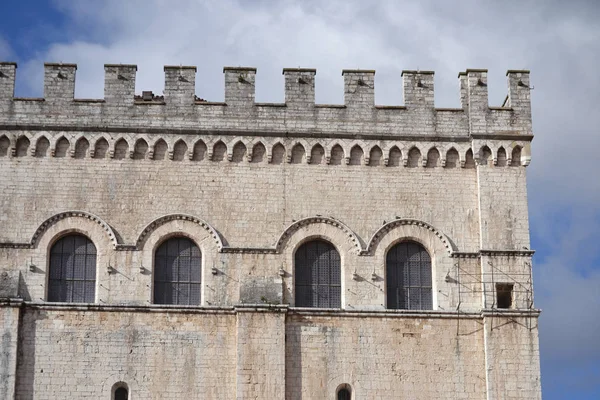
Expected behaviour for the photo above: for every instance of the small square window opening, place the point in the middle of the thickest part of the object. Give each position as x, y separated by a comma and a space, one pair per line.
504, 295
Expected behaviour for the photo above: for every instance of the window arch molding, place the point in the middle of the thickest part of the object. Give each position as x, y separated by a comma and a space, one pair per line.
435, 243
87, 224
316, 229
317, 226
55, 228
50, 242
188, 228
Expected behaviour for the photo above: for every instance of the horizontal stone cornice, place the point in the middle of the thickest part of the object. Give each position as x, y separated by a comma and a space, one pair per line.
272, 308
256, 133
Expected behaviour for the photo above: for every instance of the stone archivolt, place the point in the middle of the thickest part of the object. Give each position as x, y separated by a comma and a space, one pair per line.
361, 248
171, 217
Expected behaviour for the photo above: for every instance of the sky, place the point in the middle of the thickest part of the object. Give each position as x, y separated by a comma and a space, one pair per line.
559, 41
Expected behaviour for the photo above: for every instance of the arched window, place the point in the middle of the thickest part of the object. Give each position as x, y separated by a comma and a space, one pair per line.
121, 393
177, 272
318, 281
72, 276
408, 277
343, 394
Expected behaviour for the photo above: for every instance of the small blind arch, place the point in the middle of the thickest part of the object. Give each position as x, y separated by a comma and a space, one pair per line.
72, 270
317, 267
177, 272
408, 277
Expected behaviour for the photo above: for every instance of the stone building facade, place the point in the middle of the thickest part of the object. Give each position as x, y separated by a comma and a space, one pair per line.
159, 247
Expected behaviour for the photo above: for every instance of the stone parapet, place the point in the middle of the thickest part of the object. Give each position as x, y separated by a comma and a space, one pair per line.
181, 108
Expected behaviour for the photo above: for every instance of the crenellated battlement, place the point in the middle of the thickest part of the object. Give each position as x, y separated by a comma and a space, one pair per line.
359, 115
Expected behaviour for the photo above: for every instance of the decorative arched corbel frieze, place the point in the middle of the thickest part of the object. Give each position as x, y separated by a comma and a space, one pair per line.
294, 227
376, 238
171, 217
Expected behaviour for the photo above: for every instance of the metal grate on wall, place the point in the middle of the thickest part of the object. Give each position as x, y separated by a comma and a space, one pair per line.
177, 272
72, 270
408, 277
318, 275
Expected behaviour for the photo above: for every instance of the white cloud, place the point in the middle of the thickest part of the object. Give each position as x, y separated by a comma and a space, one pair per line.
567, 283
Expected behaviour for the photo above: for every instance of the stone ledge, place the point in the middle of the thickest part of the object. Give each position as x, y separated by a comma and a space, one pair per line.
386, 313
391, 107
29, 99
89, 100
270, 104
177, 67
313, 70
248, 69
54, 64
249, 250
278, 308
11, 302
120, 66
502, 136
254, 133
209, 103
496, 312
412, 71
151, 308
358, 71
514, 253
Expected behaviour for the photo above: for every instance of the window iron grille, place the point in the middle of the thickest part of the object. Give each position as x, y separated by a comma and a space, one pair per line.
408, 277
72, 270
177, 272
318, 275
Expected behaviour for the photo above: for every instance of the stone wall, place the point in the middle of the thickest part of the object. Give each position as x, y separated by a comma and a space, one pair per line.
70, 353
384, 358
9, 331
261, 352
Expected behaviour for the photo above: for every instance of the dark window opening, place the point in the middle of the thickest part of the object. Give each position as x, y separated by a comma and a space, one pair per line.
504, 294
343, 394
72, 277
408, 277
318, 276
121, 394
177, 272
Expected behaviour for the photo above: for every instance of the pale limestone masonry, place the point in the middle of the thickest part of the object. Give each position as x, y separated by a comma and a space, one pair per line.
249, 183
